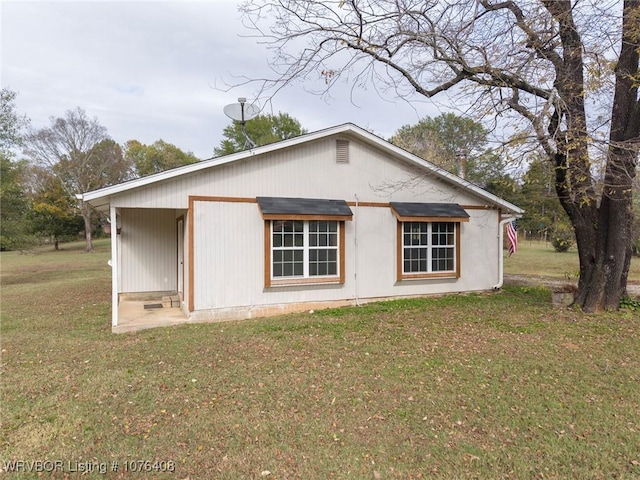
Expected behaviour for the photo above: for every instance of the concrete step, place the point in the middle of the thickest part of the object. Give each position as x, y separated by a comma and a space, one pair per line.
171, 301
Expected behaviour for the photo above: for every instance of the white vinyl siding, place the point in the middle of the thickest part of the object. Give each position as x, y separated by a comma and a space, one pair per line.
148, 242
306, 171
229, 261
227, 257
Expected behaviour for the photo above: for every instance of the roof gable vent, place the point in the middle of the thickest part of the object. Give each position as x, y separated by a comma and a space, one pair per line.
342, 151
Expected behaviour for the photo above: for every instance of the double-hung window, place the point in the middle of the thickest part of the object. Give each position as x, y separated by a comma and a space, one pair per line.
428, 247
428, 239
305, 248
304, 240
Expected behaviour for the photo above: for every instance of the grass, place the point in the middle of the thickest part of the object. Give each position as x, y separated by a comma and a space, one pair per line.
499, 385
546, 262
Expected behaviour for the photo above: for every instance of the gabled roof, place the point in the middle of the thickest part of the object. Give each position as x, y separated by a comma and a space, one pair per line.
101, 197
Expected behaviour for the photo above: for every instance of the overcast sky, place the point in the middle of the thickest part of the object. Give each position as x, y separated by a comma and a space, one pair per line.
150, 70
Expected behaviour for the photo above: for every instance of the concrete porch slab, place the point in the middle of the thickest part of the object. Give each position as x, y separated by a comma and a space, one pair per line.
133, 316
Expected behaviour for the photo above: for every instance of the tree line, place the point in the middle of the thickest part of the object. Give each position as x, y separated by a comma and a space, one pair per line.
74, 154
42, 170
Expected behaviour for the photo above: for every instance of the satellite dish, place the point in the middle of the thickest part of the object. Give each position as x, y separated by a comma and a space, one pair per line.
241, 112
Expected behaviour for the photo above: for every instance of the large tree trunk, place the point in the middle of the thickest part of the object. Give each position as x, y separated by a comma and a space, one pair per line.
605, 266
86, 216
605, 256
603, 237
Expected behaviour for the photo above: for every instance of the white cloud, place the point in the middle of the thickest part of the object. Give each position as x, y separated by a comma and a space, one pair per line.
148, 70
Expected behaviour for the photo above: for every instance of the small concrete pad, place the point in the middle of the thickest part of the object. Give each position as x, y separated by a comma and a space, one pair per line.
133, 316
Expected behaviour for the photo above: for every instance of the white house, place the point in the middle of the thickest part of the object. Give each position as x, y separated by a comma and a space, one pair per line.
329, 218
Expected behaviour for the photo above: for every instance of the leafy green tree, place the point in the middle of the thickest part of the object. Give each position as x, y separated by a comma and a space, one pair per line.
155, 158
544, 216
489, 171
454, 138
12, 125
14, 204
422, 141
539, 199
457, 144
262, 130
53, 212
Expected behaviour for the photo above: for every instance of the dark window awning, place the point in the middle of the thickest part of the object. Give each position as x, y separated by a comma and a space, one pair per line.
279, 208
429, 212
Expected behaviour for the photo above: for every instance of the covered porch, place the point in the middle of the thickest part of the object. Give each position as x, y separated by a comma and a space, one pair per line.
147, 268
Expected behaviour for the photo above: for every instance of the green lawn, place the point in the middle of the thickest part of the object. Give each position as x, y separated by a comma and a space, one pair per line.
540, 259
496, 385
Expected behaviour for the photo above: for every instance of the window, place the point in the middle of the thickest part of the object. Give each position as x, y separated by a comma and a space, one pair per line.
288, 248
428, 239
428, 247
306, 251
304, 240
323, 248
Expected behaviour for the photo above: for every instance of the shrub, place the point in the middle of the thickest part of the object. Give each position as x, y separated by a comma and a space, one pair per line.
562, 238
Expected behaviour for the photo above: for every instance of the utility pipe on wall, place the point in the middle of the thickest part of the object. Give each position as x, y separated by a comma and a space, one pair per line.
501, 255
355, 253
115, 265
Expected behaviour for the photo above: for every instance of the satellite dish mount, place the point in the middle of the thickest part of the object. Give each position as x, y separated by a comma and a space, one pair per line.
241, 112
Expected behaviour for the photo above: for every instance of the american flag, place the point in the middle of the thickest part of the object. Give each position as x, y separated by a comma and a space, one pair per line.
512, 233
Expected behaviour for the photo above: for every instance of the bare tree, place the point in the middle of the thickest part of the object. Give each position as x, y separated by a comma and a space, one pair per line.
78, 150
533, 65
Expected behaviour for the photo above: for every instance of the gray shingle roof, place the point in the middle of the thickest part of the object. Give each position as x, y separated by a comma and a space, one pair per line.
303, 206
450, 210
